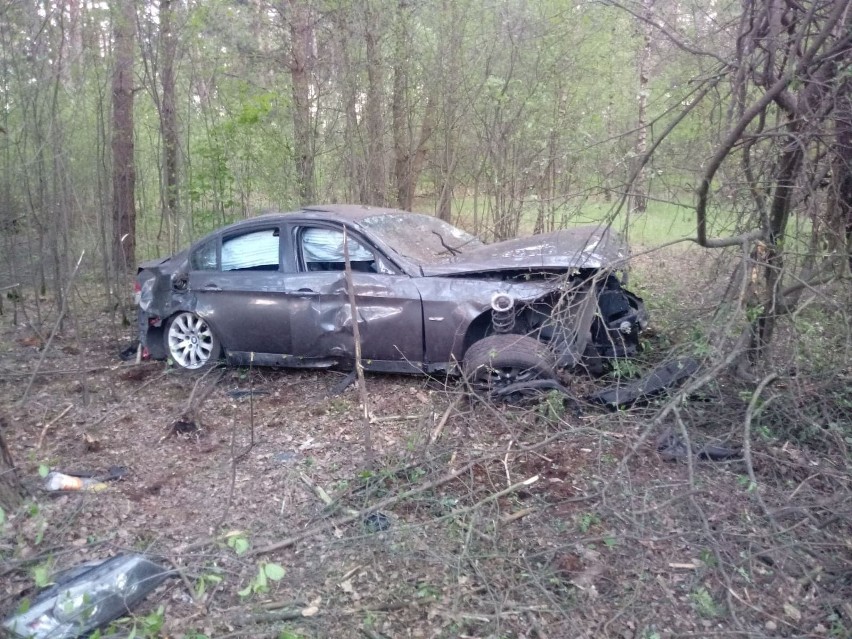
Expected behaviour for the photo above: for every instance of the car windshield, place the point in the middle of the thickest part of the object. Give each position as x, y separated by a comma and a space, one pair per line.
421, 238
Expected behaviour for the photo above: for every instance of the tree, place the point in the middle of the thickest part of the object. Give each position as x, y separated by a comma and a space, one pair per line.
123, 161
301, 55
12, 492
790, 81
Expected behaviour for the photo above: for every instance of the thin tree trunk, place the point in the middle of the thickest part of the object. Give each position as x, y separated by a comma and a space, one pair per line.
123, 164
168, 122
301, 39
376, 174
639, 188
12, 492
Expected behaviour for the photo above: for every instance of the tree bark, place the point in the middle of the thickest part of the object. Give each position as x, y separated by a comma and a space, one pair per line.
12, 492
123, 164
409, 153
301, 39
376, 173
639, 198
168, 122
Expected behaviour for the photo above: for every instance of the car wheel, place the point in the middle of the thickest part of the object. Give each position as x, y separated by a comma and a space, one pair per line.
190, 342
498, 361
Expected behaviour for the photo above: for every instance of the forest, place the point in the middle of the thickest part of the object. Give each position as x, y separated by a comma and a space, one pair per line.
715, 137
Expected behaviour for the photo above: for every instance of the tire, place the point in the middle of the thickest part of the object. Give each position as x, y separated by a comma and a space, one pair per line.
497, 361
190, 342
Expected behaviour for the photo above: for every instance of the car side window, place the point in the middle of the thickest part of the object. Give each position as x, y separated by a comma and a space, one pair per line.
253, 251
204, 257
322, 250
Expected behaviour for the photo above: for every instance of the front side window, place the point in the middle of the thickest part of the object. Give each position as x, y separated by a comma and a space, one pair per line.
254, 251
322, 250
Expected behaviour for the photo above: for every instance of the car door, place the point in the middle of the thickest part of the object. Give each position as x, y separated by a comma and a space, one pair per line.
238, 283
389, 311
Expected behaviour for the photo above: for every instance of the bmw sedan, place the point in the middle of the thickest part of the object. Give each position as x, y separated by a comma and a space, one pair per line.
288, 289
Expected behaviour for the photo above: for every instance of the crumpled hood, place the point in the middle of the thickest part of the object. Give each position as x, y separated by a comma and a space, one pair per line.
580, 247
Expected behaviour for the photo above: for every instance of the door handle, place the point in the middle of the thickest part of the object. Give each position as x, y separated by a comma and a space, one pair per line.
210, 287
304, 292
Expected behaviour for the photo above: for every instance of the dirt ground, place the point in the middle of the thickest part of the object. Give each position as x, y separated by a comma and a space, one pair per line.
472, 520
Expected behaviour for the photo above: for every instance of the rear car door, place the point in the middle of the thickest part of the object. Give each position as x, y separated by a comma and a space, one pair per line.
238, 282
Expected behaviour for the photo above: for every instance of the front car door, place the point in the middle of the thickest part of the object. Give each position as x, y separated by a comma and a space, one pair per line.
389, 311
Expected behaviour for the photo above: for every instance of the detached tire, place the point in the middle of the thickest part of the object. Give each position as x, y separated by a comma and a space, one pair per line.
190, 342
497, 361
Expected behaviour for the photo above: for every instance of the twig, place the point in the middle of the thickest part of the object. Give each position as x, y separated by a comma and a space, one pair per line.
186, 582
51, 423
752, 407
393, 499
359, 369
439, 427
56, 326
323, 496
494, 496
233, 486
508, 519
506, 464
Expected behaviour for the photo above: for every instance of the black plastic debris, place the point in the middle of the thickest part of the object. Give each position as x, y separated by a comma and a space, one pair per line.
672, 447
535, 389
343, 384
238, 393
87, 597
377, 522
128, 354
656, 382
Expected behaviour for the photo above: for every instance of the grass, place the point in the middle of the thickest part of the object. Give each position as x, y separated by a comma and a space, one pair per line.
662, 221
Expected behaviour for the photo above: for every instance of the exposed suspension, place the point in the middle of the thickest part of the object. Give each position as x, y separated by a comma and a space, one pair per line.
502, 312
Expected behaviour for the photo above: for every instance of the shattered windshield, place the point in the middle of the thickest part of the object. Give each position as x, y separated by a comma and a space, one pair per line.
421, 238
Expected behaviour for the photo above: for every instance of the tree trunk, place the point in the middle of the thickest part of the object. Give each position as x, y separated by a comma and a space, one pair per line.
376, 180
168, 123
409, 154
12, 492
123, 165
639, 187
301, 39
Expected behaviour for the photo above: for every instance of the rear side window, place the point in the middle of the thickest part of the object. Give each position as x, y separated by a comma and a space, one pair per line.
204, 257
254, 251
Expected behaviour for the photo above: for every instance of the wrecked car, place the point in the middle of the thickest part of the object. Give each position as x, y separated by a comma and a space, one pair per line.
429, 297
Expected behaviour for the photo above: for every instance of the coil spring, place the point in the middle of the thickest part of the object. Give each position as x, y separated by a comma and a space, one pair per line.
502, 313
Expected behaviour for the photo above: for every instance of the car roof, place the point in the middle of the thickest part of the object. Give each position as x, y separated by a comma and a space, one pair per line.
348, 212
354, 212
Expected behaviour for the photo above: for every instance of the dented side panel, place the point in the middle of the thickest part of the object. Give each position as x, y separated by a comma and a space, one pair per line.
390, 320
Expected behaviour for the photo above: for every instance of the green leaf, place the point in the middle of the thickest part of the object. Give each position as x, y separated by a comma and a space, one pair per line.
274, 571
43, 470
41, 576
2, 516
245, 592
241, 545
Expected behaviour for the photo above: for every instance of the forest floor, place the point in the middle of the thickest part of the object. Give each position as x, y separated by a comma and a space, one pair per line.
473, 520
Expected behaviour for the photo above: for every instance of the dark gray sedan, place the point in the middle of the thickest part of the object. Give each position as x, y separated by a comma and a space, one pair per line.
428, 297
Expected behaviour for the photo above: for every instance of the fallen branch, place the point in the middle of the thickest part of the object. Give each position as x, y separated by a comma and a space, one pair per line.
394, 499
439, 427
323, 496
51, 423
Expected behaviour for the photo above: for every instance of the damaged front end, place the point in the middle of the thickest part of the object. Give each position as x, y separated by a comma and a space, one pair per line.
587, 318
